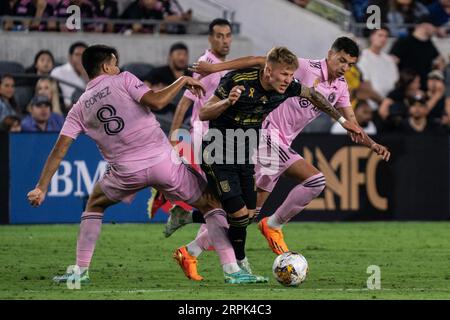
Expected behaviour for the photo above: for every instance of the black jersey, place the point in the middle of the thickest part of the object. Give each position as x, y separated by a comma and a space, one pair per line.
254, 104
247, 114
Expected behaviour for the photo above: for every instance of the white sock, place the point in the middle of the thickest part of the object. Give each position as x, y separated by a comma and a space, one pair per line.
83, 269
273, 223
242, 261
231, 268
194, 249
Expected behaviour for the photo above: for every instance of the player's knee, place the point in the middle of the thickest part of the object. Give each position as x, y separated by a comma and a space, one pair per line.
235, 206
316, 184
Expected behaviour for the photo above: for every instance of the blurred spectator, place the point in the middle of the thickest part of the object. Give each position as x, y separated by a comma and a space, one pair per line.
8, 104
37, 9
11, 124
377, 67
358, 8
41, 118
7, 9
393, 109
360, 89
363, 114
404, 12
177, 66
87, 10
48, 88
71, 72
173, 12
43, 63
417, 121
440, 11
143, 9
417, 51
106, 9
435, 96
42, 66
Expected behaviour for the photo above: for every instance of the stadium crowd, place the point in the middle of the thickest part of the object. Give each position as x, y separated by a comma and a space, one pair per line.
163, 10
404, 89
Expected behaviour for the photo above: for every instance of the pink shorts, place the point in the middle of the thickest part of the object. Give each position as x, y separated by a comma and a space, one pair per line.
175, 181
274, 158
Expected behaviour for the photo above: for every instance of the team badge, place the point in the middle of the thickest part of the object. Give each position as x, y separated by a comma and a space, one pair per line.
225, 186
331, 97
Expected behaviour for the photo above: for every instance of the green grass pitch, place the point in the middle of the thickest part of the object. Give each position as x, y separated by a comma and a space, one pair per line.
134, 261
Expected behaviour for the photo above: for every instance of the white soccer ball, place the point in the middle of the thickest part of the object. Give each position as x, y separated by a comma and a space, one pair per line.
290, 269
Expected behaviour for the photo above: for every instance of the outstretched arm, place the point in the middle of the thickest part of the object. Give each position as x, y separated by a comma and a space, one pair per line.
366, 140
322, 104
37, 195
159, 99
204, 68
182, 107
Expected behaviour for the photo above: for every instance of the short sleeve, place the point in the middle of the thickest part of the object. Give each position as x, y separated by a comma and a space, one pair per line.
134, 87
294, 89
344, 99
73, 125
302, 70
225, 85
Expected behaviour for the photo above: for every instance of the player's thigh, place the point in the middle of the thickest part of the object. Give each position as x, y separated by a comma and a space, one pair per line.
248, 185
301, 170
225, 181
98, 201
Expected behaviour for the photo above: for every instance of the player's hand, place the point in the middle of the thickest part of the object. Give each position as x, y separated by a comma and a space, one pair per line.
381, 151
355, 131
202, 68
195, 87
36, 197
235, 94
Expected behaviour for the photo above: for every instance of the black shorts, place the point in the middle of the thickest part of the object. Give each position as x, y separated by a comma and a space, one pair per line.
233, 181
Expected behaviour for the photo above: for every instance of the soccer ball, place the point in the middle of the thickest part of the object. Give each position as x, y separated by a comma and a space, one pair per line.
290, 269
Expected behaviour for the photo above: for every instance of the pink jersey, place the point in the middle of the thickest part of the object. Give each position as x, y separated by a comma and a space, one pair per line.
293, 115
210, 83
127, 134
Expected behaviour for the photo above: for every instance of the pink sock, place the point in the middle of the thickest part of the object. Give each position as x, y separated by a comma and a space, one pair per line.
90, 226
299, 198
217, 225
202, 238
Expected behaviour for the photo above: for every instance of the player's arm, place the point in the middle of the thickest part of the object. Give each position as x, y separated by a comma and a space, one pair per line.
324, 105
204, 68
157, 100
182, 107
215, 106
37, 195
379, 149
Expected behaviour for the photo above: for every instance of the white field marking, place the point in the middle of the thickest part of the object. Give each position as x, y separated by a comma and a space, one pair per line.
250, 289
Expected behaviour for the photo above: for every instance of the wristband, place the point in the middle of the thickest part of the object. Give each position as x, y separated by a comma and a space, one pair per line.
341, 120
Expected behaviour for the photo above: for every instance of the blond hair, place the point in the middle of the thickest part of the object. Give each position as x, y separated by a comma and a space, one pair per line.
282, 55
56, 106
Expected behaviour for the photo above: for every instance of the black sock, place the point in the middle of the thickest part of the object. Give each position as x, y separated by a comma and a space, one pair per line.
238, 234
197, 217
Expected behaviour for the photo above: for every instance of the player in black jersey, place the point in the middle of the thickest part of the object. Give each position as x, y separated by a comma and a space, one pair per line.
241, 102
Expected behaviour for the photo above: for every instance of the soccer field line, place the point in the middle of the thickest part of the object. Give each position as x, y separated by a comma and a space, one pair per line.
253, 289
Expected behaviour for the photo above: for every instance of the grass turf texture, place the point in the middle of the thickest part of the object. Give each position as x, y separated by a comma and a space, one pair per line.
134, 261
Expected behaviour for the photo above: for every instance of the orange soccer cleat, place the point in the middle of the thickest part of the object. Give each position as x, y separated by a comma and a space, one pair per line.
274, 237
187, 263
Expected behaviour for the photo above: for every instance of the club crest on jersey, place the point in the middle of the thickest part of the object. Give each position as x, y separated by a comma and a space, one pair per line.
225, 186
331, 97
304, 103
